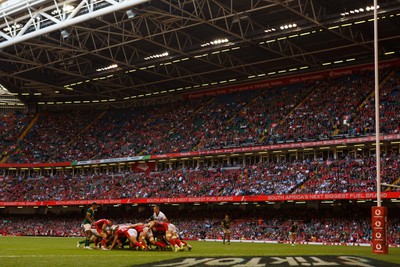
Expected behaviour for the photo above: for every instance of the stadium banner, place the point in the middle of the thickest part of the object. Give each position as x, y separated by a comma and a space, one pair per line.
111, 160
233, 199
278, 146
379, 230
146, 167
288, 80
35, 165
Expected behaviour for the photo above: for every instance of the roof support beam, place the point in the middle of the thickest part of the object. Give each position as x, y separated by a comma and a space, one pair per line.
27, 27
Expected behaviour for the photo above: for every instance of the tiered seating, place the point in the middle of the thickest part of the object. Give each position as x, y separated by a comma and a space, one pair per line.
333, 176
50, 135
362, 122
12, 125
325, 109
331, 108
250, 119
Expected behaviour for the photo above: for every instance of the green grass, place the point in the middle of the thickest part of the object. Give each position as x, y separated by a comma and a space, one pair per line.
42, 251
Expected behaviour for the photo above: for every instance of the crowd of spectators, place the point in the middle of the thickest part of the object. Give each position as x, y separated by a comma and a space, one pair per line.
251, 119
363, 122
352, 175
50, 135
39, 226
325, 109
306, 176
12, 125
129, 132
330, 108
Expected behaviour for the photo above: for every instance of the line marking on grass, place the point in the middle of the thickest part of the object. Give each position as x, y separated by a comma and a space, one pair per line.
61, 256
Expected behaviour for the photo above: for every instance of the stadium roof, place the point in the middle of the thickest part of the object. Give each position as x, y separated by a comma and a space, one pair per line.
56, 52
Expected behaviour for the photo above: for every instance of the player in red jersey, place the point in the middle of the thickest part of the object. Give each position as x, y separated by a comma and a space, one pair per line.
145, 233
101, 226
126, 231
170, 232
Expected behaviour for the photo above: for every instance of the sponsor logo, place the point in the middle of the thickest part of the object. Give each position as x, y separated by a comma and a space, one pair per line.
321, 261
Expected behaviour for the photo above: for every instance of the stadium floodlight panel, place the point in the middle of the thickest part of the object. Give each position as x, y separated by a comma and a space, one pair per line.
68, 8
130, 13
288, 26
109, 67
64, 34
215, 42
164, 54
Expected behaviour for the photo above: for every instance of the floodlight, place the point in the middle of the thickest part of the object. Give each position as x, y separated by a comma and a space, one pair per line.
65, 34
130, 13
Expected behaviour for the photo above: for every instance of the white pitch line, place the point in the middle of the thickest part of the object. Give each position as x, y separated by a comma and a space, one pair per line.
61, 256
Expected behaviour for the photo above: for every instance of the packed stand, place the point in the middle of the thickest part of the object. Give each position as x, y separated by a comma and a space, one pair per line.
325, 109
330, 108
331, 176
362, 122
215, 125
50, 135
252, 117
12, 125
352, 175
130, 132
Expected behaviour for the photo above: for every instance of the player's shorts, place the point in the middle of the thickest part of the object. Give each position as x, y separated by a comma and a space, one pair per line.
132, 233
94, 231
227, 231
149, 233
87, 227
292, 233
172, 228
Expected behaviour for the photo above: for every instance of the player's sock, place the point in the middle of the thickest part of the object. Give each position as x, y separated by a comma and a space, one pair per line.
144, 245
178, 242
160, 244
82, 242
172, 241
136, 243
103, 242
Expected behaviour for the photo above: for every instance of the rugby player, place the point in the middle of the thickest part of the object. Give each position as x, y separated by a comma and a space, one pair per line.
158, 215
226, 227
293, 230
170, 232
101, 226
87, 224
126, 231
